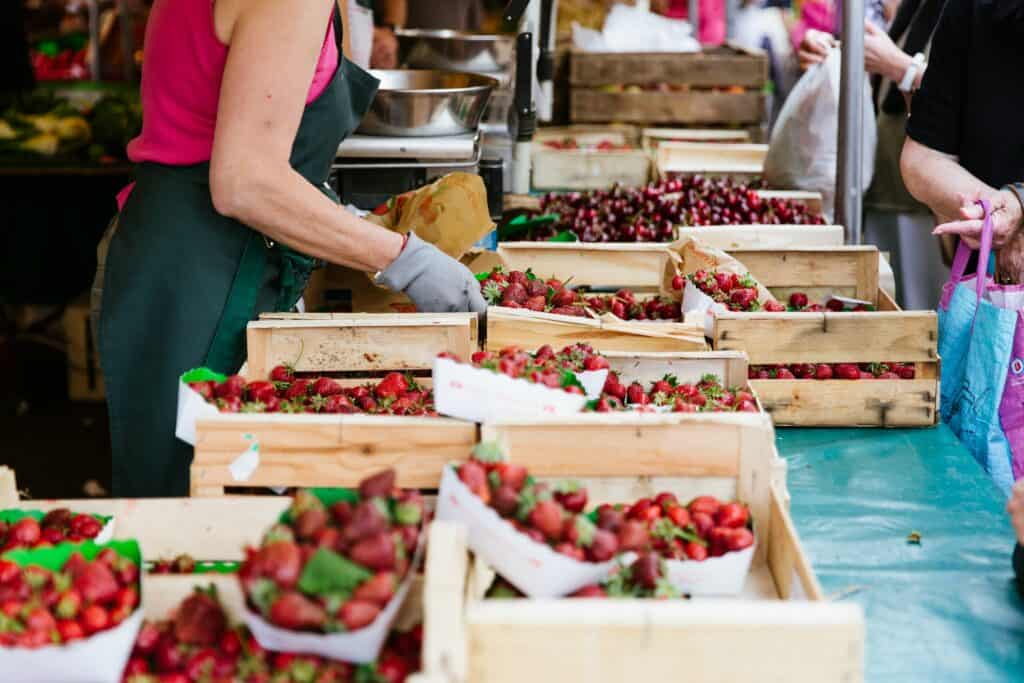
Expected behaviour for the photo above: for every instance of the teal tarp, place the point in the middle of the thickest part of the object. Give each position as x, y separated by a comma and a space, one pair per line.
944, 610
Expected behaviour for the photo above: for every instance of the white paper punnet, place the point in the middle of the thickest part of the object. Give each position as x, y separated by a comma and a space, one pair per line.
479, 395
696, 300
191, 407
100, 658
532, 567
723, 575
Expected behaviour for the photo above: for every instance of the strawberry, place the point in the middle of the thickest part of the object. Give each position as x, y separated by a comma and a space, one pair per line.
69, 630
341, 512
199, 665
677, 283
282, 562
739, 539
355, 614
379, 485
310, 522
823, 371
706, 504
169, 656
536, 288
392, 668
375, 552
393, 385
592, 363
379, 589
774, 307
798, 300
573, 499
199, 620
747, 406
603, 546
93, 619
743, 298
25, 532
835, 305
148, 637
515, 293
618, 309
546, 517
261, 391
609, 518
570, 550
536, 303
232, 387
635, 394
68, 604
888, 375
335, 404
905, 371
294, 611
40, 619
846, 371
696, 551
646, 570
733, 515
591, 591
505, 500
474, 476
325, 386
367, 520
282, 373
679, 515
724, 281
204, 389
298, 389
511, 475
96, 583
784, 373
702, 522
633, 535
563, 298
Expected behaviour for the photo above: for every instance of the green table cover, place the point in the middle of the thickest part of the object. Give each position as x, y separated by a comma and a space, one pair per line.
944, 610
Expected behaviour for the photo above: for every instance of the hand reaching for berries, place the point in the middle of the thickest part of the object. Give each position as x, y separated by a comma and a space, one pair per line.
434, 281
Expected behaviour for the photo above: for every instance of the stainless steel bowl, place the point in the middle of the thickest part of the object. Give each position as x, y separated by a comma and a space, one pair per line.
455, 51
414, 103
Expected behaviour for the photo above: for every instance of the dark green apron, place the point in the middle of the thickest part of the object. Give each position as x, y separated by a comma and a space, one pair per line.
182, 281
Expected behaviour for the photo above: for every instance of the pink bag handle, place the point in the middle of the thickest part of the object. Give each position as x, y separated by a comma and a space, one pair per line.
963, 253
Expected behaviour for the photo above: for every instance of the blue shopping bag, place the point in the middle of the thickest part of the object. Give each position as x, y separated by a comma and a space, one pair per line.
976, 341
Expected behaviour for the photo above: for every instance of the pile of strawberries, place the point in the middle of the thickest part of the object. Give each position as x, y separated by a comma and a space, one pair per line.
704, 527
645, 577
707, 395
523, 289
570, 143
739, 293
395, 394
198, 644
334, 569
823, 371
549, 515
57, 526
40, 607
553, 370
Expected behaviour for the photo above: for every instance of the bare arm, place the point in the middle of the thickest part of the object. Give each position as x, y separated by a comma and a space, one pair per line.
935, 179
395, 12
273, 52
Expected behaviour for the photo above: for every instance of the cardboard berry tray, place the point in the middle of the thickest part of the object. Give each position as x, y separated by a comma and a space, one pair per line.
336, 450
887, 334
780, 628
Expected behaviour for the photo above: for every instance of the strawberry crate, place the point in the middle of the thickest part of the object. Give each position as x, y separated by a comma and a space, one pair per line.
714, 86
588, 157
782, 623
337, 450
652, 138
888, 334
738, 160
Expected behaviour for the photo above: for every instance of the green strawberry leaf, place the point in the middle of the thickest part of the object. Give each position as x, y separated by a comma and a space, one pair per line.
569, 379
328, 572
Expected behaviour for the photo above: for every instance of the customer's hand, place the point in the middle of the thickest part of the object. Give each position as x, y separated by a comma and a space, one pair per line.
1006, 218
1016, 509
434, 281
814, 47
881, 56
385, 49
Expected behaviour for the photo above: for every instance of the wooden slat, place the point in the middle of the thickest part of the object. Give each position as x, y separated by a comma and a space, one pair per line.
829, 337
839, 266
581, 169
786, 556
358, 342
444, 643
739, 237
314, 450
694, 107
709, 68
636, 265
842, 403
713, 158
531, 330
730, 366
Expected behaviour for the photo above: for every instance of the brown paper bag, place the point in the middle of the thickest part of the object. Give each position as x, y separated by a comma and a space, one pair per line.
688, 255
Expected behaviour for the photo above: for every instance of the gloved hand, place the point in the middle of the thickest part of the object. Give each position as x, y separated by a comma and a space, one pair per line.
434, 281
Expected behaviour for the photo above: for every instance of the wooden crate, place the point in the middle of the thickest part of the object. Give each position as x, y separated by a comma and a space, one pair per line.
531, 330
888, 334
651, 138
85, 379
782, 625
738, 160
723, 86
587, 169
338, 450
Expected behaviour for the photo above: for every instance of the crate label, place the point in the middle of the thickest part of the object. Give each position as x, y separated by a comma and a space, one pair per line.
244, 466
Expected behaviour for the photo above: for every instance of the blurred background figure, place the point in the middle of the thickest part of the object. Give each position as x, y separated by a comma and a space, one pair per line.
710, 17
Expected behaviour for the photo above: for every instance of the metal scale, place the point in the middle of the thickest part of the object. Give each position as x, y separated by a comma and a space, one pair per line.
433, 118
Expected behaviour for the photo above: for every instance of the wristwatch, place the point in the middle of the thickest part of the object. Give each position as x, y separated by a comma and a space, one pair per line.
916, 67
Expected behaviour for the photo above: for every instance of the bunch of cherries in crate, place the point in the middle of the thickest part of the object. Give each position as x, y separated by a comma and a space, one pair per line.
198, 644
652, 213
284, 392
523, 289
554, 516
57, 526
40, 607
739, 293
823, 371
706, 395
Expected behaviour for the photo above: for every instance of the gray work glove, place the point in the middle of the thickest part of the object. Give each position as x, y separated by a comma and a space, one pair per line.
434, 281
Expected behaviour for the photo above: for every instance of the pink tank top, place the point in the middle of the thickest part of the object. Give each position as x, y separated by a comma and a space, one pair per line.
181, 76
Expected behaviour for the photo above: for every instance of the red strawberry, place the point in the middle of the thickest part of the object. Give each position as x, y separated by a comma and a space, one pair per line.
325, 386
591, 591
69, 630
739, 539
68, 604
93, 619
725, 281
199, 665
511, 475
505, 500
646, 570
355, 614
367, 520
379, 485
609, 518
570, 550
96, 583
784, 373
905, 371
743, 298
232, 387
633, 535
230, 643
702, 522
169, 656
536, 303
888, 375
40, 619
282, 562
618, 309
563, 297
592, 363
696, 551
603, 546
546, 517
199, 621
774, 307
282, 373
733, 515
573, 501
846, 371
679, 515
204, 389
798, 300
261, 391
823, 371
335, 404
677, 283
149, 636
25, 532
474, 476
515, 293
376, 552
298, 389
294, 611
310, 522
231, 404
635, 394
706, 504
535, 288
835, 305
393, 385
379, 589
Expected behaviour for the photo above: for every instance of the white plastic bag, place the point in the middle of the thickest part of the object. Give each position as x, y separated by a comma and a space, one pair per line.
635, 29
803, 150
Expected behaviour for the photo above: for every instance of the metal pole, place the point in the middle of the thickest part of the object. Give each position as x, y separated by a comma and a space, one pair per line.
849, 172
693, 16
